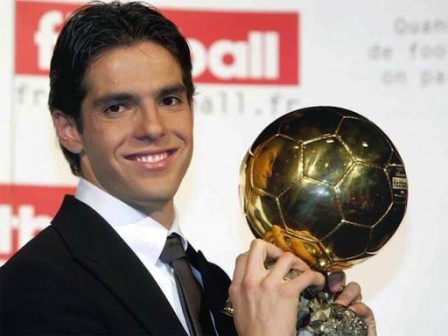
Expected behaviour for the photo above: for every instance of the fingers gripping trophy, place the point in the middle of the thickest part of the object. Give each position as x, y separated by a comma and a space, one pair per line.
328, 185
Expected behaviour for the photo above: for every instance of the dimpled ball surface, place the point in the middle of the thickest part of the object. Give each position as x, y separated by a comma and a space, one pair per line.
326, 184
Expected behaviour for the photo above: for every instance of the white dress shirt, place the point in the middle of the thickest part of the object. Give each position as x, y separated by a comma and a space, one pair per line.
145, 237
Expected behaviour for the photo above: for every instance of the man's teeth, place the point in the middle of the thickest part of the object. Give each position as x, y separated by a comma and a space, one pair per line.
152, 158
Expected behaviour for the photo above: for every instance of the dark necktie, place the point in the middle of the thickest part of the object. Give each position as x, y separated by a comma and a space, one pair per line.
190, 291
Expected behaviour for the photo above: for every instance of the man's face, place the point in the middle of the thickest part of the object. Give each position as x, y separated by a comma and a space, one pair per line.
262, 168
137, 137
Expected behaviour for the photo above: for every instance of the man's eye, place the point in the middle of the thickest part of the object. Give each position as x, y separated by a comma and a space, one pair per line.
169, 101
116, 108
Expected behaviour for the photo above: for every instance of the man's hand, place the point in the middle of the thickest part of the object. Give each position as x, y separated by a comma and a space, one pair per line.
351, 297
264, 302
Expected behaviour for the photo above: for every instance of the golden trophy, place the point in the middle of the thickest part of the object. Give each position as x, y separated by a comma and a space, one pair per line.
328, 185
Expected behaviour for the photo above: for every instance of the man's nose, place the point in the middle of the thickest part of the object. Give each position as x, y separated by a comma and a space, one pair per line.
150, 124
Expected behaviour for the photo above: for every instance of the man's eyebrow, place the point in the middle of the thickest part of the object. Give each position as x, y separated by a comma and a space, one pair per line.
172, 89
117, 97
113, 97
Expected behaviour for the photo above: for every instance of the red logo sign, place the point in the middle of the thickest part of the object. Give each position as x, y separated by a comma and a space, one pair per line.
227, 47
24, 211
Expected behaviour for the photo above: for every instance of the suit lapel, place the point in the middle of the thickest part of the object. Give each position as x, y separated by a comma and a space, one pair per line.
96, 245
216, 284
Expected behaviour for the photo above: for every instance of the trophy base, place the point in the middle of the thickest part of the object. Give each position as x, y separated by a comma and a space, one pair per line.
319, 316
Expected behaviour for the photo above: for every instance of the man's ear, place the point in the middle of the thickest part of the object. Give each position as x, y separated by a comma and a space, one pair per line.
67, 132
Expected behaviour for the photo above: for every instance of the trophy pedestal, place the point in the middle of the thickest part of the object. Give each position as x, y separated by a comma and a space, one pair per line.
320, 316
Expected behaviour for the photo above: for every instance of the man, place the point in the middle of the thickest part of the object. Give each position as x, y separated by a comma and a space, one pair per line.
121, 97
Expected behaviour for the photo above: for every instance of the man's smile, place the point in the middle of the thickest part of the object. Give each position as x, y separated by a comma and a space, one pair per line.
150, 158
154, 161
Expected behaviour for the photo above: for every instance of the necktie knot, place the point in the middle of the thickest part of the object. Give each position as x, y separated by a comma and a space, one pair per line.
173, 250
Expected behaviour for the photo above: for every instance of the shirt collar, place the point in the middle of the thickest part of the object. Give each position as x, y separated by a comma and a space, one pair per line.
140, 232
113, 210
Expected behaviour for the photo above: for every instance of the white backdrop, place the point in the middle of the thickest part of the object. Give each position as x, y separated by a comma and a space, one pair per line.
387, 60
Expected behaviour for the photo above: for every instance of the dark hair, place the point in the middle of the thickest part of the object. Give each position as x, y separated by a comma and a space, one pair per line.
99, 27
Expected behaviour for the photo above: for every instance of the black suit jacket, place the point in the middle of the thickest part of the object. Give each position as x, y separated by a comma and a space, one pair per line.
79, 277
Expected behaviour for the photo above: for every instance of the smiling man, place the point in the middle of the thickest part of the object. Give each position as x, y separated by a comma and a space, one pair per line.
137, 128
121, 97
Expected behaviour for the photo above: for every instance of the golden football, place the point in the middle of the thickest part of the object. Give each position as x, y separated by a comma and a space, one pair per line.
326, 184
